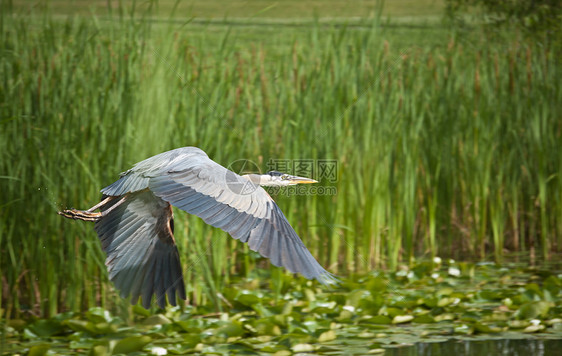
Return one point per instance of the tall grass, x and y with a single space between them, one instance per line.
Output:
450 150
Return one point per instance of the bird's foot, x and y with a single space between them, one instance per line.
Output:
80 215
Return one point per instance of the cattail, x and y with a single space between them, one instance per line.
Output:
451 44
497 71
240 68
386 48
546 54
529 72
295 67
263 80
433 68
511 73
477 76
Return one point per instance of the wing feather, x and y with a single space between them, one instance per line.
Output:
188 179
234 204
142 258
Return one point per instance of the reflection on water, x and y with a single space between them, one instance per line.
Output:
511 347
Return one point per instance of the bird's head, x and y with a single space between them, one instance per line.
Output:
278 179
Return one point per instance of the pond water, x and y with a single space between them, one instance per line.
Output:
511 347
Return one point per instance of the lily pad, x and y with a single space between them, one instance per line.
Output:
400 319
379 319
39 350
303 348
47 327
327 336
131 344
533 310
533 328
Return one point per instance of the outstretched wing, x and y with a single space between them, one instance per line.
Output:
234 204
188 179
142 257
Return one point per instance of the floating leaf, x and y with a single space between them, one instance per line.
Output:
327 336
311 325
105 328
444 291
82 343
229 329
391 312
430 302
534 288
444 317
79 325
533 328
379 319
287 308
99 350
157 319
191 340
464 329
131 344
377 284
443 302
322 307
17 324
553 284
355 296
483 328
309 294
533 310
247 298
399 319
554 321
517 324
345 315
303 348
423 319
490 294
46 328
283 353
39 350
98 315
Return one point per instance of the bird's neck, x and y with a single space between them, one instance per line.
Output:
265 180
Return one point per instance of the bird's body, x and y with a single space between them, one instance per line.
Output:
135 222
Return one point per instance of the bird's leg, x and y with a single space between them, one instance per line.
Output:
100 204
107 211
89 215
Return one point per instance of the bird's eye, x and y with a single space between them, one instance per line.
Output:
285 177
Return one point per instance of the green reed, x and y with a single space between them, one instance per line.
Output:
444 150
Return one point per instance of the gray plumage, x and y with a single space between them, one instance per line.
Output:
136 231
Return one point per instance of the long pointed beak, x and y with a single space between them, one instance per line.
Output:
301 180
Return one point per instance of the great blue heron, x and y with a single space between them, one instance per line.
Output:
136 226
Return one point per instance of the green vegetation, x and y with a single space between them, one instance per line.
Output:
431 303
446 146
288 10
534 17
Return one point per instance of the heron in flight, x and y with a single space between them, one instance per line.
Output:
135 223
